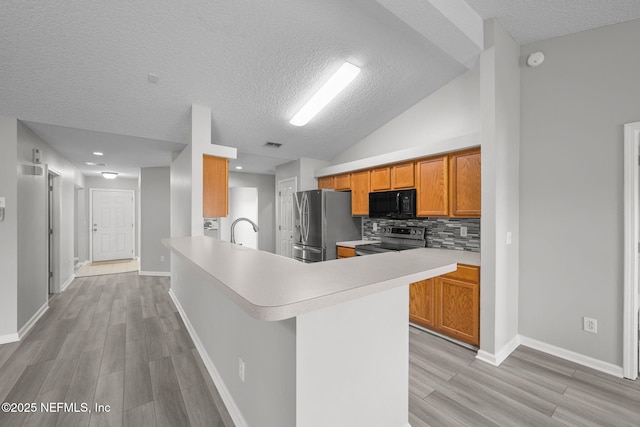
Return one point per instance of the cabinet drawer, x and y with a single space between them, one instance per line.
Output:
468 273
345 252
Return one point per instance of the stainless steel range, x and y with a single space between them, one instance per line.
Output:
395 239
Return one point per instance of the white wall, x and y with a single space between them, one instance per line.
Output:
98 182
451 111
9 230
267 397
574 107
500 137
266 205
307 180
181 194
155 214
32 223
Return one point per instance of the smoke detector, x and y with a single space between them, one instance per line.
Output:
535 59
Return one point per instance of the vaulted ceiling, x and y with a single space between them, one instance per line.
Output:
78 72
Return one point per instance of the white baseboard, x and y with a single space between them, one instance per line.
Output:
500 356
233 409
67 283
581 359
6 339
155 273
27 326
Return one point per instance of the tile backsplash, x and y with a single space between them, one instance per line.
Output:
441 232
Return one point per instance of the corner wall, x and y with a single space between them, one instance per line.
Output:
500 136
574 107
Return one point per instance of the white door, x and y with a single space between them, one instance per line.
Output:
112 224
286 189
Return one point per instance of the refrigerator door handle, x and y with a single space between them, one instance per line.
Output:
307 248
305 218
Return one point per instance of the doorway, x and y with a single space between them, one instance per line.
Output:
112 225
284 213
630 362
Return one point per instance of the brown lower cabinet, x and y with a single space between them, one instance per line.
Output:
449 304
345 252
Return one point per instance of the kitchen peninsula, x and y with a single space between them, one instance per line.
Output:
290 343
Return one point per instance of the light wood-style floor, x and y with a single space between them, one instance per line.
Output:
114 340
449 387
118 340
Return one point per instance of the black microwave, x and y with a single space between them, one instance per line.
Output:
398 204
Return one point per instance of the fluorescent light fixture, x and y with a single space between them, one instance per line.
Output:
345 75
239 167
97 153
110 175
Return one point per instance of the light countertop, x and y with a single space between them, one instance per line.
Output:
354 243
272 287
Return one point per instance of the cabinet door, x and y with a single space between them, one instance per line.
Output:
345 252
381 179
360 193
215 186
325 182
342 182
402 176
458 310
422 303
432 186
465 183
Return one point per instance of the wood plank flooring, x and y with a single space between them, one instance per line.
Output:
118 340
113 340
449 387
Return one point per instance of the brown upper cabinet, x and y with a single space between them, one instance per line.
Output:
215 186
464 175
381 179
342 182
447 185
432 176
360 193
325 182
402 176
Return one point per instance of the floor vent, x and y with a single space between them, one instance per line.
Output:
273 144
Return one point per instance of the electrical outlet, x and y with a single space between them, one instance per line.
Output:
590 325
241 369
375 226
508 237
161 258
463 231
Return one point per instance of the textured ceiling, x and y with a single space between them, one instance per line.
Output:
76 71
533 20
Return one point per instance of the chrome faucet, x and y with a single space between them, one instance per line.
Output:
233 227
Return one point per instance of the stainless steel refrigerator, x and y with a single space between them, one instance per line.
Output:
322 218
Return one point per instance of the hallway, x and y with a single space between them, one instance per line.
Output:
110 340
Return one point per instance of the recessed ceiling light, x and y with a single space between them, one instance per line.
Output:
110 175
238 167
98 153
345 75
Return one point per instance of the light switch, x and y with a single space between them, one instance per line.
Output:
3 202
508 237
